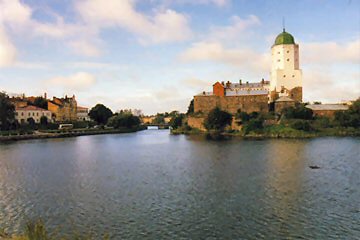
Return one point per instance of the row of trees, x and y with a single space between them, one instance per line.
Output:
102 115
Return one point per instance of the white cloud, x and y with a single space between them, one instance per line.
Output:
7 49
85 48
234 31
164 26
215 51
78 81
331 52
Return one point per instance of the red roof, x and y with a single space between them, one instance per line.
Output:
30 108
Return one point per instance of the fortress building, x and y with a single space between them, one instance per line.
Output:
286 75
283 89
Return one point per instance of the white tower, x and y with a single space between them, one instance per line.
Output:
285 71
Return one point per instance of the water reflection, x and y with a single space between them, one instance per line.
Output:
154 185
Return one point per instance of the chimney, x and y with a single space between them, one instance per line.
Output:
45 95
263 81
240 82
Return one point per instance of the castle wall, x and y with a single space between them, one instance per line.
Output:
231 104
196 122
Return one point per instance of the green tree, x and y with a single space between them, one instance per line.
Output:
191 107
43 121
100 114
351 117
301 125
41 102
176 121
217 119
31 122
7 112
298 112
126 120
159 119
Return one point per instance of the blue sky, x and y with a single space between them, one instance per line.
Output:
155 55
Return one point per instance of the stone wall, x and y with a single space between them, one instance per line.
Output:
279 106
296 94
196 122
231 104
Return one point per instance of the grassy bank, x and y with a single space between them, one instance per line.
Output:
16 136
279 131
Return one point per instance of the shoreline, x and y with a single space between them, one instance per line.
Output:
68 134
252 135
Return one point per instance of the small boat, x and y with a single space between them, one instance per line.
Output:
314 167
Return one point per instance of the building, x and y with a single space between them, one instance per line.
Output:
327 110
82 114
285 84
286 75
22 114
63 109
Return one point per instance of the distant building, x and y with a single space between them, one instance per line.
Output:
82 114
22 114
327 110
63 109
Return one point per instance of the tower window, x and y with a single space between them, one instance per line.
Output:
284 76
287 51
278 60
278 52
287 59
293 75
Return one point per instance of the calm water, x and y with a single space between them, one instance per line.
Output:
151 185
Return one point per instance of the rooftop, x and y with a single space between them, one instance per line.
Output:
284 38
328 107
30 108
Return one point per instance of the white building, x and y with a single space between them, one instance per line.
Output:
82 114
285 71
22 114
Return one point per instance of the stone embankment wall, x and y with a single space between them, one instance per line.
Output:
231 104
196 122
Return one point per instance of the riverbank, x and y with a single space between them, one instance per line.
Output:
275 132
67 134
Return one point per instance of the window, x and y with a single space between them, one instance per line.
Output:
288 60
278 60
287 51
278 52
293 75
22 114
284 76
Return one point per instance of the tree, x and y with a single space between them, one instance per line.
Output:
190 108
176 121
41 102
43 121
298 112
159 119
217 119
351 117
7 112
31 122
100 114
124 120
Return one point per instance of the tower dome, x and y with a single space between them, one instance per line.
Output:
284 38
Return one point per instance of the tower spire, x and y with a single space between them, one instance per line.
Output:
283 23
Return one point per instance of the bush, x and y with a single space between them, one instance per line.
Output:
351 117
217 119
298 112
301 125
254 125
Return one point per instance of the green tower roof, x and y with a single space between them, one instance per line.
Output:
284 38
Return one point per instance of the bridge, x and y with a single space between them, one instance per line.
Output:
158 126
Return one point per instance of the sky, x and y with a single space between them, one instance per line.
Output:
154 55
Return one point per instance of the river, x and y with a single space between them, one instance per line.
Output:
153 185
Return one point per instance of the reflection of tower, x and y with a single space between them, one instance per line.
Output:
286 76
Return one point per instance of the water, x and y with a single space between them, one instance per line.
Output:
152 185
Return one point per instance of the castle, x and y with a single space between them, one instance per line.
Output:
284 88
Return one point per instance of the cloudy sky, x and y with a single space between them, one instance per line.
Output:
155 55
